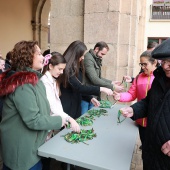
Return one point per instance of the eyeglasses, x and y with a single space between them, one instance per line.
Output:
143 64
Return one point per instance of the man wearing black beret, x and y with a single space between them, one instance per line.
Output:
156 106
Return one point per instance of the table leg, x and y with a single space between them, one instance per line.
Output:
68 166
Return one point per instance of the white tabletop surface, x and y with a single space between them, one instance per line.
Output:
112 149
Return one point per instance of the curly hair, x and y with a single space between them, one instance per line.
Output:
22 55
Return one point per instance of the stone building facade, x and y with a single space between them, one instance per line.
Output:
119 23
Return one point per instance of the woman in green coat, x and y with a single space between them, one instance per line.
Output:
26 118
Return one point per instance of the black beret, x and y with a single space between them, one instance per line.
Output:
162 51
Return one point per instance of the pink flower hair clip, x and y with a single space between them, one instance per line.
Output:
46 59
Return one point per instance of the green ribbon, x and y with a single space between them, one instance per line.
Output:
83 121
84 135
120 118
95 112
88 119
105 103
124 83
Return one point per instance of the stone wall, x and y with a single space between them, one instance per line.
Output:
119 23
67 23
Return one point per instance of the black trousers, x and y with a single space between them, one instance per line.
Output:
46 163
142 132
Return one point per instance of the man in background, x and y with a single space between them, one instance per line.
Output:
152 45
93 65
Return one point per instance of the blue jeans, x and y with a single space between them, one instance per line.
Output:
85 106
37 166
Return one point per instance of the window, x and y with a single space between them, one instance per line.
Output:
160 9
158 40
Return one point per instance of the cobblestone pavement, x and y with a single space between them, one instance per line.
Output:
136 163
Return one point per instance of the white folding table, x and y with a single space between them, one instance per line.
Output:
112 149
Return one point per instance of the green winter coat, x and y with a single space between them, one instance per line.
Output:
92 66
25 123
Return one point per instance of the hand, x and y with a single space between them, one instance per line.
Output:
74 125
109 92
127 111
166 148
128 79
118 88
95 102
116 95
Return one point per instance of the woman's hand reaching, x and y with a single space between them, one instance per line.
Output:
74 125
108 91
128 79
116 96
95 102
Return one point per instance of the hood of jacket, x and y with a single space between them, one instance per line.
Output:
11 79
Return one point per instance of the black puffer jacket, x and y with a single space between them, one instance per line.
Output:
156 106
72 95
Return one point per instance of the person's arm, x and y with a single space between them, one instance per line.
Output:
140 108
88 90
32 115
131 94
137 110
55 103
56 106
106 80
128 96
87 98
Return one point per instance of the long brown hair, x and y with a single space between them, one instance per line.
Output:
72 56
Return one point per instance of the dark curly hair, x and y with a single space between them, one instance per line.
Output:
22 55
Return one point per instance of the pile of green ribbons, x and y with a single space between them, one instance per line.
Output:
84 121
88 119
105 103
83 136
94 112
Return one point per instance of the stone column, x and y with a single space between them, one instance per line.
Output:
44 37
35 28
117 23
67 20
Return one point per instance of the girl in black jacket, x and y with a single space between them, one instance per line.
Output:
72 88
